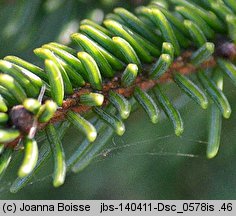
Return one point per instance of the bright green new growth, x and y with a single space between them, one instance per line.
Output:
3 118
91 99
92 71
127 50
93 49
32 105
24 64
61 77
13 87
119 30
8 135
3 105
46 111
167 48
129 75
22 77
56 81
30 157
115 59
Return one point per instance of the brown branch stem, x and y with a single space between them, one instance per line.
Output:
180 65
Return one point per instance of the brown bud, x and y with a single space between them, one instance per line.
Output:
227 50
21 118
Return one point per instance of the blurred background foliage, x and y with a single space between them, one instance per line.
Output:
148 162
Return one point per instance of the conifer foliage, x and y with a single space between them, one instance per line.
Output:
117 65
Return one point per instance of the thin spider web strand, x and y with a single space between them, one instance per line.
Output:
180 102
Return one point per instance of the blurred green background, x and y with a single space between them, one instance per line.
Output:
148 162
